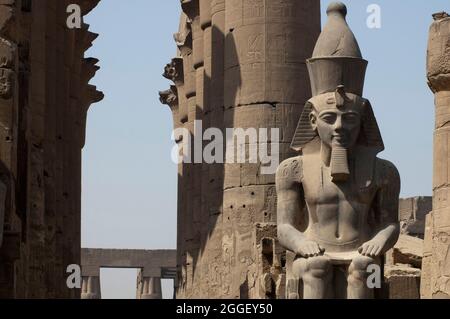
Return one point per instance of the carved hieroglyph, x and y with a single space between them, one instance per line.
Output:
436 261
337 202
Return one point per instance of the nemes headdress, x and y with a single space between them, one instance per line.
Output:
337 72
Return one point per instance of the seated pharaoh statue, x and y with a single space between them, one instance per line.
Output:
337 202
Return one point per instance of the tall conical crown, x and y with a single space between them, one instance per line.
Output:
337 58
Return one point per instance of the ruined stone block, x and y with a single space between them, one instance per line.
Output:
403 282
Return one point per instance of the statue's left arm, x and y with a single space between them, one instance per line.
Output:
385 209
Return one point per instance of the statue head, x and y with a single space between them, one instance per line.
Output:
337 115
336 118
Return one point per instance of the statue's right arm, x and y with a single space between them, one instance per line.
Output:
290 208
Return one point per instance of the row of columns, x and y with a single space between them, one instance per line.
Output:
147 287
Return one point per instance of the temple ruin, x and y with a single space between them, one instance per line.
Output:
44 100
242 64
239 64
153 266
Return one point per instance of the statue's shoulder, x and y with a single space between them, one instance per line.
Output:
386 172
290 172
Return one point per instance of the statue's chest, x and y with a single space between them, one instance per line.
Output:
319 189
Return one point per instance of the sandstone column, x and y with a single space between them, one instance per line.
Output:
90 288
190 193
436 262
151 288
265 86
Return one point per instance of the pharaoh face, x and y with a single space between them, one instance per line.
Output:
337 126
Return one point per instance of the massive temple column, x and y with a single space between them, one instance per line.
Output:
244 67
45 97
266 86
436 259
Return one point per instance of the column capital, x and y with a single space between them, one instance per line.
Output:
438 55
170 97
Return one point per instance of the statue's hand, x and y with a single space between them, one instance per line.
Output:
372 248
309 248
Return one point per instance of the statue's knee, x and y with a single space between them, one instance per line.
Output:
299 267
318 267
358 269
361 263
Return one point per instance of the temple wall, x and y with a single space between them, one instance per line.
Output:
43 118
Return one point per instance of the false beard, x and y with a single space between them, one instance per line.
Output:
339 164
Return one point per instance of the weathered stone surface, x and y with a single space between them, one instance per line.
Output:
270 260
44 98
436 267
427 261
412 213
408 250
263 62
403 282
91 288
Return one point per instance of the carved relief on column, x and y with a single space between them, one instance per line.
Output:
265 86
266 45
90 288
8 101
10 241
436 263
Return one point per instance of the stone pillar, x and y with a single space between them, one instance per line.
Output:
9 101
436 263
265 87
151 288
90 288
192 55
214 172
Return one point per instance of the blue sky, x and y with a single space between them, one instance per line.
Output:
129 180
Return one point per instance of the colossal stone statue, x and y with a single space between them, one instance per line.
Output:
337 202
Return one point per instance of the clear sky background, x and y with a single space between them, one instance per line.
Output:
129 181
